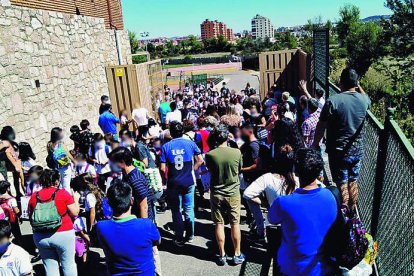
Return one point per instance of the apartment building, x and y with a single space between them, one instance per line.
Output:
213 29
262 27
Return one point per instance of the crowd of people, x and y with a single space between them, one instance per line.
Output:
260 155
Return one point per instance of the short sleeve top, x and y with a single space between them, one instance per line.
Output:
62 200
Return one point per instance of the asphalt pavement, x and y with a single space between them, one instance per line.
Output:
197 258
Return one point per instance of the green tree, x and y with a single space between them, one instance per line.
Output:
133 41
399 62
363 44
289 41
349 16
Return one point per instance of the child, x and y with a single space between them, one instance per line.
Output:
123 117
93 202
116 173
10 209
75 137
14 259
27 157
32 184
82 166
99 157
82 240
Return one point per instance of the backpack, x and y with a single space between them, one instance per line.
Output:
347 238
106 209
265 155
45 216
49 161
60 157
6 212
139 165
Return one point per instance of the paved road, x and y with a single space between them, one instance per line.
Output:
238 80
192 259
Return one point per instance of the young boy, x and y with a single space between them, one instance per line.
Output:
14 260
10 209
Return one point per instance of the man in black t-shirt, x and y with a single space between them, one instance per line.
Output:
224 91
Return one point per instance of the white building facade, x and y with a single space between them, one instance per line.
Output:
262 27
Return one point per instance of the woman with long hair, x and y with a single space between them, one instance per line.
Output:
286 132
93 201
12 160
57 246
280 181
60 158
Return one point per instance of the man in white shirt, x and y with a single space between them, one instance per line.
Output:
174 115
140 116
14 260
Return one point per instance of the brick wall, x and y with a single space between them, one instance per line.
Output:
95 8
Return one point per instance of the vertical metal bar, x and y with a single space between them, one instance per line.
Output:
327 61
380 172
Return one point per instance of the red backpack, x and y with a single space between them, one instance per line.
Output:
6 212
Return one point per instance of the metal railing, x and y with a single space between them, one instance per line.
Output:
386 198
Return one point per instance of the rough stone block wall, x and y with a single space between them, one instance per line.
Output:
67 54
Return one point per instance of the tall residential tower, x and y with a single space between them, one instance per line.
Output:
262 27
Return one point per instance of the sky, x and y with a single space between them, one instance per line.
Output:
170 18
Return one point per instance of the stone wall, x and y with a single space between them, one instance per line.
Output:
67 55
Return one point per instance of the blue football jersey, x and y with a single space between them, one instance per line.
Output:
179 154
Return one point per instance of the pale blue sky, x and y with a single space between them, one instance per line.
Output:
183 17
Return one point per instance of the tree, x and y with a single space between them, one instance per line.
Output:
133 41
288 41
399 30
399 66
363 45
349 16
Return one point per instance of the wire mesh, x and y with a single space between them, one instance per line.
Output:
371 134
396 214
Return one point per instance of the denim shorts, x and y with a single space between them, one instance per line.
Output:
345 169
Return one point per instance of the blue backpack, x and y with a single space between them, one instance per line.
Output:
106 209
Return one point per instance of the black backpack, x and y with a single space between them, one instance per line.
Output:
265 155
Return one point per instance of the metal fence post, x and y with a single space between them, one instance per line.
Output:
380 171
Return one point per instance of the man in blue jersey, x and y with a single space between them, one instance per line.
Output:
179 155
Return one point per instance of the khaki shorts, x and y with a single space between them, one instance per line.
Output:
225 207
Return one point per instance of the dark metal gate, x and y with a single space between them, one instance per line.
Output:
321 60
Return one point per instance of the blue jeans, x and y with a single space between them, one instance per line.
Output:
258 217
57 248
344 169
65 178
182 198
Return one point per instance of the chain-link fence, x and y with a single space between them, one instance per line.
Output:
395 229
386 201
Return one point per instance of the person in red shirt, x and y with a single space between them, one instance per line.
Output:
56 247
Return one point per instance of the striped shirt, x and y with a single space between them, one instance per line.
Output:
140 188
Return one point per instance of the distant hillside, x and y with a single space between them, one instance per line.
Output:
375 18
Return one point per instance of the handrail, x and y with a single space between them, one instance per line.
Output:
406 145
